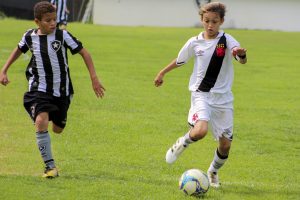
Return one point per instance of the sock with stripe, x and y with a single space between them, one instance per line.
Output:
44 144
187 138
217 162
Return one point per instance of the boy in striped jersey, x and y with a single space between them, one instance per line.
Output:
50 87
210 86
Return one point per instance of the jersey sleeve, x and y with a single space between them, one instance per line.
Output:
185 53
231 42
72 42
23 44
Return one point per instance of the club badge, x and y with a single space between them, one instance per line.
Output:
55 45
220 50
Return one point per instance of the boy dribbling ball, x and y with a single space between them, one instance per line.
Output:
210 86
50 88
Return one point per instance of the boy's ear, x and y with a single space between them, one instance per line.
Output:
37 21
222 20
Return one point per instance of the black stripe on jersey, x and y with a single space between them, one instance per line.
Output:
46 63
62 66
214 66
32 65
70 83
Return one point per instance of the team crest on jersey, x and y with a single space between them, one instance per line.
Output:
195 117
55 45
220 50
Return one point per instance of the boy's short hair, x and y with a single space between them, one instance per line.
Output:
41 8
213 7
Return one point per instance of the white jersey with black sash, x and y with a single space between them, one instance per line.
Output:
48 69
213 68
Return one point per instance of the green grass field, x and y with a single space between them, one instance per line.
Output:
115 148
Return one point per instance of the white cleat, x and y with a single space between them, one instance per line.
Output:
213 179
174 152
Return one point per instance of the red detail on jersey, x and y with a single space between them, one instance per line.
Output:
195 117
220 51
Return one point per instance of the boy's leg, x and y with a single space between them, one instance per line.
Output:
220 157
194 134
44 144
222 128
198 118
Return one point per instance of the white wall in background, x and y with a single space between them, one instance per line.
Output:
241 14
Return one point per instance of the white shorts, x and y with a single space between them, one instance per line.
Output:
217 109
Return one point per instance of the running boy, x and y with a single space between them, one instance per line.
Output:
210 86
50 87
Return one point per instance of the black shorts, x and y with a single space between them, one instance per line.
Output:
57 107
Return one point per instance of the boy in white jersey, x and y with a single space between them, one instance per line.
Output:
50 87
210 86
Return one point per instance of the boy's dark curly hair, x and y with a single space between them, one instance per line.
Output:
41 8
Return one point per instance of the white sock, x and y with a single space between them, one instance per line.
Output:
217 162
187 138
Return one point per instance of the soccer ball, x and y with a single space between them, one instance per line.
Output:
194 182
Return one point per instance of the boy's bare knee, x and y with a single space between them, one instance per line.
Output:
199 132
41 122
57 129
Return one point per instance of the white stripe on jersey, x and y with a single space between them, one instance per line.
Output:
39 62
55 65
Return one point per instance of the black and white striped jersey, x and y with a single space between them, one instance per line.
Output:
48 69
61 7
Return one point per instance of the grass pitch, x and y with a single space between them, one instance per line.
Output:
115 148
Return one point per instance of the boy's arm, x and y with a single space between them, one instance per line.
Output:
15 54
158 81
97 86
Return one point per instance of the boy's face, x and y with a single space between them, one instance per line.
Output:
211 22
47 24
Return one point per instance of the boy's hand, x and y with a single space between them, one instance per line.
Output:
98 87
237 51
3 79
158 81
